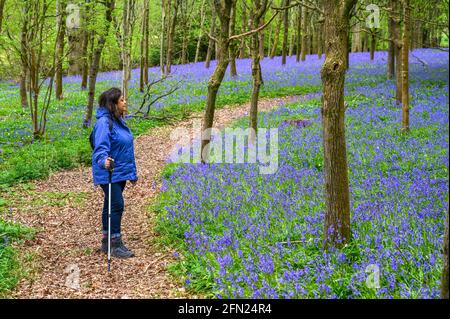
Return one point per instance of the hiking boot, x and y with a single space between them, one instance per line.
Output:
118 249
105 245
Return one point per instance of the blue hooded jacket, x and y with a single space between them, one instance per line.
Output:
118 145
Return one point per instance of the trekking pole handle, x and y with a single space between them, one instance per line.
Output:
111 164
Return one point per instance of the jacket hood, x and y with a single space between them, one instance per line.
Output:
102 111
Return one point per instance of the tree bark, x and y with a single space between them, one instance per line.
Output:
276 37
405 65
128 8
2 6
233 46
95 62
261 41
365 42
61 29
88 61
293 35
211 42
185 31
87 38
314 38
391 48
142 49
299 33
74 37
223 9
146 40
305 20
396 33
319 41
256 16
163 36
173 23
337 211
347 51
373 44
286 32
23 56
356 38
244 29
202 22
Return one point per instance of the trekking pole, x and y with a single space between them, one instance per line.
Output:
111 169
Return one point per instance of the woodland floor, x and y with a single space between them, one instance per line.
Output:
69 233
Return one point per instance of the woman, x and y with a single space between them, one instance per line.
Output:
115 145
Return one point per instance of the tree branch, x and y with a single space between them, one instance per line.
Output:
238 36
305 4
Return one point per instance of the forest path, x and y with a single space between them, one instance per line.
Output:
67 245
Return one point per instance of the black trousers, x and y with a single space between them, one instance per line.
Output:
117 207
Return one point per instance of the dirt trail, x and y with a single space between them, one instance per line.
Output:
70 235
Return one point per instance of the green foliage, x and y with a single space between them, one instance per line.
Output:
10 267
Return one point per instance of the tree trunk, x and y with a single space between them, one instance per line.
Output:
365 42
142 49
305 20
2 6
35 14
356 38
319 41
261 41
185 31
276 37
95 62
163 36
88 61
128 7
396 32
244 29
257 14
337 208
299 33
202 22
173 23
233 46
418 33
310 37
74 37
146 43
391 48
444 277
61 29
286 32
223 9
23 57
405 66
87 38
372 44
347 51
314 40
211 42
293 34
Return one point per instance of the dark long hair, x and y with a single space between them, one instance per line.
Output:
109 100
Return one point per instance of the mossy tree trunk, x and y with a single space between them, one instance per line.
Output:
337 197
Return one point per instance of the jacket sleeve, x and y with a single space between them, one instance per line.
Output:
134 164
102 140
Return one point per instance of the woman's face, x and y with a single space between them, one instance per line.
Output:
122 105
